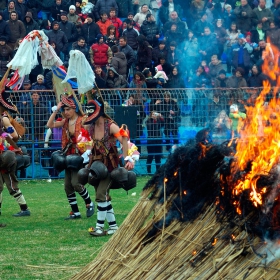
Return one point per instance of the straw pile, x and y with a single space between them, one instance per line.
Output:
202 249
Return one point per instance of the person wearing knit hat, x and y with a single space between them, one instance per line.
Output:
63 13
72 7
72 16
221 80
160 75
98 48
40 84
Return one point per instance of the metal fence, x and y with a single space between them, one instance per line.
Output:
164 119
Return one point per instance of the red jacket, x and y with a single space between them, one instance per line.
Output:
117 23
103 26
99 54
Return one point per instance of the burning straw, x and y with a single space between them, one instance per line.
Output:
216 210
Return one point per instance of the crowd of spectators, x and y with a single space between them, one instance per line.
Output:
147 44
192 42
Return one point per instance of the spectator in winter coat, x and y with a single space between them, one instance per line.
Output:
115 21
159 51
215 66
17 29
181 25
275 8
244 15
138 81
131 35
141 16
59 38
115 81
69 29
125 6
221 80
166 8
173 35
21 8
137 4
119 62
40 84
45 7
128 52
81 46
174 56
257 77
29 23
191 50
221 36
150 30
56 9
196 11
135 25
105 6
263 14
72 16
11 8
151 82
100 53
175 80
5 55
154 148
166 67
199 26
273 33
90 30
144 53
4 28
111 39
229 16
208 45
237 80
104 23
100 77
240 56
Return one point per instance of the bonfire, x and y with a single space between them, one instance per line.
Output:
211 212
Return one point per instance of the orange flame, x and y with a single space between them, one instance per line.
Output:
184 192
175 173
165 180
259 141
194 253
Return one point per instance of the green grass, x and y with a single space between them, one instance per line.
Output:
44 245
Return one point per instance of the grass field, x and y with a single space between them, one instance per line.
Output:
44 245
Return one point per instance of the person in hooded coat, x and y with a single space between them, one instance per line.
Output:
119 62
115 81
29 23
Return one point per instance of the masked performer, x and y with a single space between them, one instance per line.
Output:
104 132
71 127
8 162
